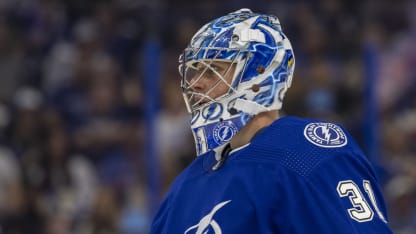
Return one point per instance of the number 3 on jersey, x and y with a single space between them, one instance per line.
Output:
361 211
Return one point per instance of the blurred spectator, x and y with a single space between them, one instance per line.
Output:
173 131
104 215
401 191
10 176
134 217
11 59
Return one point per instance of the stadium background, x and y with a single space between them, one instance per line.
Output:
92 123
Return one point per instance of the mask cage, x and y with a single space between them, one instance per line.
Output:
222 64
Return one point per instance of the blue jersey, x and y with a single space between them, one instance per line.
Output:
295 176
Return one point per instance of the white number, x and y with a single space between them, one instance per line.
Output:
361 212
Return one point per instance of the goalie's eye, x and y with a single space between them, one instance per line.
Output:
215 67
220 68
207 71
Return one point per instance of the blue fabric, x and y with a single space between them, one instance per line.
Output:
280 183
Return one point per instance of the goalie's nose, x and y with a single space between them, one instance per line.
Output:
198 84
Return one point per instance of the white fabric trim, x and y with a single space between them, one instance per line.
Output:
240 148
249 107
247 35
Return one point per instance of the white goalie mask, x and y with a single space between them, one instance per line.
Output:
235 67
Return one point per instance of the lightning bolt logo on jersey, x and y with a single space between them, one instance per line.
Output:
208 223
327 135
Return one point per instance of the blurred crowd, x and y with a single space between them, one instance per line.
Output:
73 132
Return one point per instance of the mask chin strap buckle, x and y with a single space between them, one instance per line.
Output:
249 107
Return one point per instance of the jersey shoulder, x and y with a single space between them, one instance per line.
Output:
301 144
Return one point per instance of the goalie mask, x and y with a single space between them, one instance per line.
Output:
235 67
